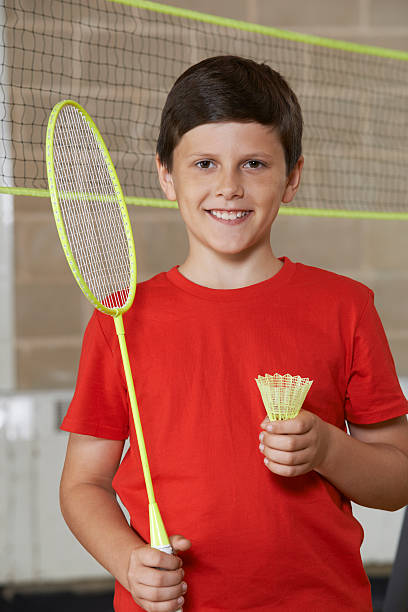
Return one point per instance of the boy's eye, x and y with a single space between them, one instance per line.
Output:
253 163
204 164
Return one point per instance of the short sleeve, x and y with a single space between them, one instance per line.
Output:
373 393
99 407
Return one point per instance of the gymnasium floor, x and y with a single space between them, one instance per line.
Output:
66 602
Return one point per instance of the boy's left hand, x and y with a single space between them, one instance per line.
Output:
295 446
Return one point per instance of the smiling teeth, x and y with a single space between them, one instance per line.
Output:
229 215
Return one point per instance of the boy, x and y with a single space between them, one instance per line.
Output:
268 528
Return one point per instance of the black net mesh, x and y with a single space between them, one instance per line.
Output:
120 61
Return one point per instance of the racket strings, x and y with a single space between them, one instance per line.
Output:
94 162
90 209
91 192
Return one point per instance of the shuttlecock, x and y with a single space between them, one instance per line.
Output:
283 396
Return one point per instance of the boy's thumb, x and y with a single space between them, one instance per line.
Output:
179 543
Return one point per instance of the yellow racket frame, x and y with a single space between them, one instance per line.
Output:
58 214
158 535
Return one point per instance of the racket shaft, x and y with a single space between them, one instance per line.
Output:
158 534
135 410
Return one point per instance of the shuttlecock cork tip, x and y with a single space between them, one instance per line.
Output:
283 395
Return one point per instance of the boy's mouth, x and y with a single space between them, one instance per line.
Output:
231 217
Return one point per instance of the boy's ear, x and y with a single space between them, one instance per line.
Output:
166 180
293 181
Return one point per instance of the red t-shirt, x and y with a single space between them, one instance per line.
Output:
260 541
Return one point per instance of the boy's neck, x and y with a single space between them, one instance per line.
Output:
229 272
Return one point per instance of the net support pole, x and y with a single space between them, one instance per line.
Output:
7 318
7 341
158 535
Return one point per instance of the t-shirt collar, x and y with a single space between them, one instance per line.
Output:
249 292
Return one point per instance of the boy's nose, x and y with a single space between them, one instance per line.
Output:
229 187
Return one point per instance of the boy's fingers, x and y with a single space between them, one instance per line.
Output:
284 458
152 557
300 424
157 594
280 427
156 578
167 606
160 578
289 443
179 542
287 470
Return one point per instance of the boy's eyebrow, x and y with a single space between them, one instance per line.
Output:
246 155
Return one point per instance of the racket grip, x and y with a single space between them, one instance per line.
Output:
168 550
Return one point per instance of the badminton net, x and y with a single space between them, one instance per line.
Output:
119 59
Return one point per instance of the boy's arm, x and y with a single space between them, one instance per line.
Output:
90 508
370 466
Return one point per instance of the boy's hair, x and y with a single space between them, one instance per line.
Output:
230 88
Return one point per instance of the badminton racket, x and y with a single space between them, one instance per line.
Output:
95 232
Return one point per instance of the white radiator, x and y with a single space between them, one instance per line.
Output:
35 544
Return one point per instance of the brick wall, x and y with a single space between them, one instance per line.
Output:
51 312
369 22
374 252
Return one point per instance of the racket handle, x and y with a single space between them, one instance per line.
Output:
168 550
158 535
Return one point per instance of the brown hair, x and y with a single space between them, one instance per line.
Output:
230 88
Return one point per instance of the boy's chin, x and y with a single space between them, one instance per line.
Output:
232 251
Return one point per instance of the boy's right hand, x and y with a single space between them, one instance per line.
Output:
156 578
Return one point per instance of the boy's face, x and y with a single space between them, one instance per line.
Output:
229 180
